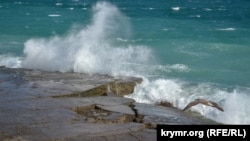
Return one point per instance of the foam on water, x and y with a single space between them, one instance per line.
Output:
195 16
10 61
227 29
59 4
176 8
156 91
150 8
54 15
207 9
236 108
172 68
165 29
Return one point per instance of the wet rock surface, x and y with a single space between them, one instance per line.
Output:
44 106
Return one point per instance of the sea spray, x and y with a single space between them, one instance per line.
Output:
10 61
236 108
156 91
180 93
91 49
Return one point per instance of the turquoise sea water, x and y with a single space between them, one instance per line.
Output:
183 49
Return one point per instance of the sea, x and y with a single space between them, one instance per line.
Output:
183 49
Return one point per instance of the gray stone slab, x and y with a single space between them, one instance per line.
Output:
69 131
118 108
41 106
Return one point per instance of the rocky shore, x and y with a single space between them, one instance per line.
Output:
55 106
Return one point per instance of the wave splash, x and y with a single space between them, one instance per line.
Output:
91 49
10 61
179 93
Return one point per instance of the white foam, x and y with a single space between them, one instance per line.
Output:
59 4
181 93
150 8
54 15
10 61
172 68
176 8
195 16
165 29
207 9
156 91
227 29
236 109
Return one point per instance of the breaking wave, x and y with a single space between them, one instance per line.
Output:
92 49
180 93
10 61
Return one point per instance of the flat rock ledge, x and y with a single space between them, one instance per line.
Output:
55 106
